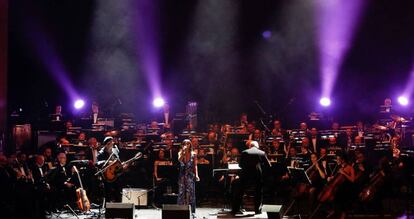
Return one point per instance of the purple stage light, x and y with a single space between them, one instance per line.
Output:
79 104
403 101
267 34
325 101
158 102
336 22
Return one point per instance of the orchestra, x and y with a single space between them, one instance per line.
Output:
343 165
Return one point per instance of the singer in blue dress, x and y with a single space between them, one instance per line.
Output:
188 175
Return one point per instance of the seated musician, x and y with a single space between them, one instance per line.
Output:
343 195
333 147
21 168
62 182
93 144
304 128
292 157
360 129
304 150
196 144
317 175
161 160
358 141
233 157
6 187
49 160
171 151
81 141
314 143
276 149
277 129
362 171
256 135
243 120
154 125
304 154
202 157
41 186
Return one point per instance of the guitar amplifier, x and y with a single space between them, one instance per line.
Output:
136 196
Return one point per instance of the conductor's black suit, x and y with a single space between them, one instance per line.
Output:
252 162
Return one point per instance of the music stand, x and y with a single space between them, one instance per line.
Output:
299 175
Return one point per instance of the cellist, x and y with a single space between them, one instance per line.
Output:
343 196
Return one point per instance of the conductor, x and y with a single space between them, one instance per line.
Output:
252 162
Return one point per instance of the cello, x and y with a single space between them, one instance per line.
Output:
81 198
329 191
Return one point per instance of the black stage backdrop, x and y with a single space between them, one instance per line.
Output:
209 51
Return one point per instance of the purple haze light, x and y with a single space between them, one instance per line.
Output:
267 34
148 47
336 21
49 57
403 100
158 102
325 101
79 104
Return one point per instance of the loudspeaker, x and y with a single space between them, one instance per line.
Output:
273 211
134 195
176 211
119 210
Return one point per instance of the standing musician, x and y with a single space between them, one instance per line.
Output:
110 153
252 161
188 175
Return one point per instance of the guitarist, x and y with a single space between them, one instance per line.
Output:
110 151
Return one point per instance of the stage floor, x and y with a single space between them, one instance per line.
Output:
201 213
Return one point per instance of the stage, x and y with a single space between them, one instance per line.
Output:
207 213
201 213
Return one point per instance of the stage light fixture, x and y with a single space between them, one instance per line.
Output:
79 104
325 101
158 102
403 101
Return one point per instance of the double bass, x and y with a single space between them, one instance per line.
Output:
81 198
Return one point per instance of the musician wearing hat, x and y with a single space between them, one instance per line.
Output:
108 154
109 151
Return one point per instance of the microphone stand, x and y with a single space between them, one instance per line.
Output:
264 114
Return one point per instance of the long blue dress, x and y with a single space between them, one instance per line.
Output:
186 183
